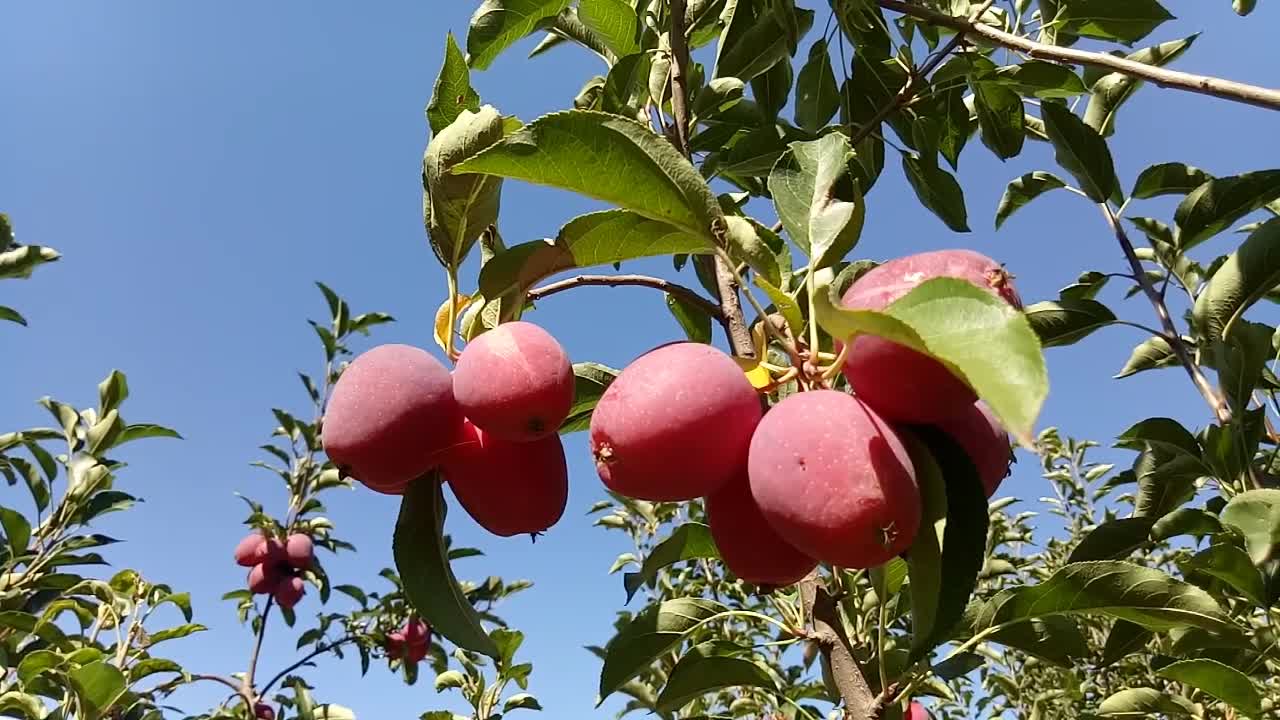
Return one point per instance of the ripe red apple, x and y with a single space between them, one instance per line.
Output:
263 578
515 382
263 711
834 480
747 544
675 424
416 632
902 384
299 551
391 415
416 653
289 591
979 433
251 550
916 711
395 644
509 488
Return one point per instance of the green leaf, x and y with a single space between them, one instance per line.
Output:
760 47
1114 588
703 670
772 88
614 22
452 92
1241 360
499 24
1173 178
1081 151
98 685
19 262
690 541
1056 639
1221 681
589 382
937 190
152 666
1166 480
17 531
329 711
1219 203
36 662
29 706
1125 638
817 199
1024 190
749 241
1256 516
1186 521
599 238
10 315
1113 540
145 430
1037 78
1231 565
627 86
1067 322
1164 434
608 158
1000 118
981 338
1246 277
1127 22
693 319
784 303
649 635
1152 353
1112 90
421 559
948 553
520 701
1243 7
1143 703
457 208
176 633
817 94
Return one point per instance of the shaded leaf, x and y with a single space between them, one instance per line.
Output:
700 671
452 92
688 542
1142 703
1038 78
817 199
1081 151
1125 638
499 24
1248 274
1127 22
1221 681
1172 178
1149 355
648 635
457 208
1000 118
938 191
1219 203
1112 90
1066 322
1024 190
1113 540
817 94
1231 565
98 685
1256 516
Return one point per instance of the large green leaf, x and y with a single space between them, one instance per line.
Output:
608 158
760 46
772 88
1113 540
599 238
422 561
817 198
614 22
1000 118
28 706
1127 21
1150 354
1038 78
1110 91
1081 151
1065 322
589 382
706 668
1125 638
1024 190
1143 703
937 190
97 685
980 337
627 86
1172 178
17 531
648 635
688 542
1248 274
452 92
817 94
499 24
1114 588
457 208
1219 203
1221 681
1256 516
1231 565
948 553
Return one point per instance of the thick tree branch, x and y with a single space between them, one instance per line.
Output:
670 288
1202 84
735 323
1171 335
834 645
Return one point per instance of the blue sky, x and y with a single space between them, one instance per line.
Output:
201 164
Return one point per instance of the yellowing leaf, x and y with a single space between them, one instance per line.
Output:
758 376
442 328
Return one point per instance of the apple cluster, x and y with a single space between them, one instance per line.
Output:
275 567
411 642
490 427
822 476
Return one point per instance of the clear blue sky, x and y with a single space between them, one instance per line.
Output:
201 164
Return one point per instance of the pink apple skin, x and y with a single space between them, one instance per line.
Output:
978 431
509 488
747 544
515 382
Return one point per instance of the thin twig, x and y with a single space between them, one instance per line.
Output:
735 323
219 679
314 654
257 644
680 291
1205 85
1171 335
